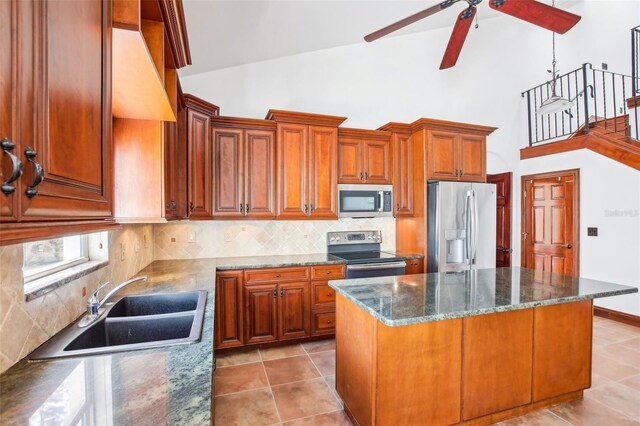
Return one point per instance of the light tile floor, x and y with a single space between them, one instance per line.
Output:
295 385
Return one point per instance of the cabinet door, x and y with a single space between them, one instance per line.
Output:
67 83
323 185
441 156
199 202
377 162
260 169
403 173
260 314
414 266
292 171
350 161
228 173
228 325
10 151
294 311
472 158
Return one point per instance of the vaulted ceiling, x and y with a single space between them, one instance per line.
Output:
226 33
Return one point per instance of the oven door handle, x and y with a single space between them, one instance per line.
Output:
370 266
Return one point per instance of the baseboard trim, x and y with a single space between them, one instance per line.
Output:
616 316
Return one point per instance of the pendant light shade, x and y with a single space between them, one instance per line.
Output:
554 104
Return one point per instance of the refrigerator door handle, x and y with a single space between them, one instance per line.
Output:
468 226
475 228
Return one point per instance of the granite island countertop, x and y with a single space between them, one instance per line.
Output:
414 299
167 385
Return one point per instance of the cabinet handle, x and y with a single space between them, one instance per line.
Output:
281 293
275 293
329 294
328 272
306 209
7 147
246 208
361 176
398 207
310 208
191 206
278 275
241 208
328 321
172 205
31 190
366 175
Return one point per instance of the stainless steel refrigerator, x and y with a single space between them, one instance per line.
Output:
461 226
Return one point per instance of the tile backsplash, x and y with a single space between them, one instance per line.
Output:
26 325
255 238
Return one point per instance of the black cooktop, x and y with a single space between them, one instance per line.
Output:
367 257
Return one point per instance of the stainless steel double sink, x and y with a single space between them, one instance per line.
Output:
133 322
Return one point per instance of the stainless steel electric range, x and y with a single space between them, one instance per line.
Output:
361 251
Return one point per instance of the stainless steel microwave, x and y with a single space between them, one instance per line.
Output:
362 200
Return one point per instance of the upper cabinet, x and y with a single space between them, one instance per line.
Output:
454 151
403 173
149 155
55 116
364 156
194 126
307 156
243 153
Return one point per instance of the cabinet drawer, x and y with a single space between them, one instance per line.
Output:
323 294
252 276
327 272
324 323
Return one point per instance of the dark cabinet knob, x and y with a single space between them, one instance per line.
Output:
31 190
328 272
329 294
16 172
328 321
278 275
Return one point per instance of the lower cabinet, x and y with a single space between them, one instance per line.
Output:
260 312
229 316
258 306
293 311
414 266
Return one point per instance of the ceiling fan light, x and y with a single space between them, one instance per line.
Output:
554 104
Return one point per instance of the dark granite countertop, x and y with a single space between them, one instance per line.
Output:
413 299
170 385
278 261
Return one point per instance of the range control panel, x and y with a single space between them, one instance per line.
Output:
358 237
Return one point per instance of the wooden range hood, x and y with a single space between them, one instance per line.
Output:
138 86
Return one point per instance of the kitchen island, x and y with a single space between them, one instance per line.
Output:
471 347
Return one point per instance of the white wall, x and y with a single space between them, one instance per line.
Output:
397 79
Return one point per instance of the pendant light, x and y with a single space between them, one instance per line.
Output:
554 103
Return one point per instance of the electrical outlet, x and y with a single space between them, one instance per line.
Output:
123 251
228 236
191 237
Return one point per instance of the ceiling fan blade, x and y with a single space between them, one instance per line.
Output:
537 13
458 36
409 20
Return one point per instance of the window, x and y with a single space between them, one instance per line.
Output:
43 258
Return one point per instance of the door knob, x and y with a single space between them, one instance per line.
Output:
567 246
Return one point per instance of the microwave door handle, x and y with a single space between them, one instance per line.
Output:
380 200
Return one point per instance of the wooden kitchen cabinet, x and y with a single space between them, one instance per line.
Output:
456 156
195 124
243 152
307 155
43 44
293 311
364 156
403 165
229 309
260 313
266 305
414 266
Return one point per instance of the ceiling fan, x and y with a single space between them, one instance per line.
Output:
532 11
